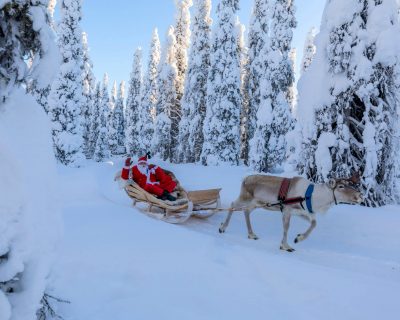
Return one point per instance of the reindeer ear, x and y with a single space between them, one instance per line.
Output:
332 183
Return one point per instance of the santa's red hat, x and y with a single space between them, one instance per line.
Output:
143 159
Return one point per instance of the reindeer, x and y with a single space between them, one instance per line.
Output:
261 191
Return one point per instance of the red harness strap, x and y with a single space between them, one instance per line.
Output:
294 200
283 191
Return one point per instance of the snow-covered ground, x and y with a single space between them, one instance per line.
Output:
116 263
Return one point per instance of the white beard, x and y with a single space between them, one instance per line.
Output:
143 170
146 172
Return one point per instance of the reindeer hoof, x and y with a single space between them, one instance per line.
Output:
298 238
220 230
252 237
287 249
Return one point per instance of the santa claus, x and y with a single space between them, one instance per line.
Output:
151 178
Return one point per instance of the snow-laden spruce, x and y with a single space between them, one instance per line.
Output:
224 103
149 96
309 50
94 121
133 100
268 146
89 86
243 54
191 136
349 99
120 108
117 125
39 82
66 97
111 130
182 36
163 144
292 88
29 220
102 150
258 39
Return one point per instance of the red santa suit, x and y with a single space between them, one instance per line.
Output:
151 178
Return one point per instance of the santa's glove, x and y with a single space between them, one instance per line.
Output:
128 162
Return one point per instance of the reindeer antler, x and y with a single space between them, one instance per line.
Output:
355 178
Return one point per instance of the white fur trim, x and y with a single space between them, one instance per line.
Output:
148 172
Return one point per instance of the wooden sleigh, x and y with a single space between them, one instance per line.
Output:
199 204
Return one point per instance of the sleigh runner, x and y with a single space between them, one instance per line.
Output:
199 204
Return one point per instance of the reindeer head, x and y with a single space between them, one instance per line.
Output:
346 190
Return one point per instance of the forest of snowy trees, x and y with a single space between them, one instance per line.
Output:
211 94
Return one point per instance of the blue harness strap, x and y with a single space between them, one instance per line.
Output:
308 197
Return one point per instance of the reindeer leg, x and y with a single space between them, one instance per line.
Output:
225 224
303 236
286 223
251 234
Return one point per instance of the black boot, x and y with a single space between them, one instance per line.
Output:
163 196
168 196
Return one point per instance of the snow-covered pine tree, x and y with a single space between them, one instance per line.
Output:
309 50
94 121
149 96
258 40
133 106
274 118
111 130
89 84
243 54
66 97
28 223
182 36
350 88
292 88
39 85
224 103
163 143
118 121
15 44
191 136
102 149
293 136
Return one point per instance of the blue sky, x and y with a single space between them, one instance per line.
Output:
115 28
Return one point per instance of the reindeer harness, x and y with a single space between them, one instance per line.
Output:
283 200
